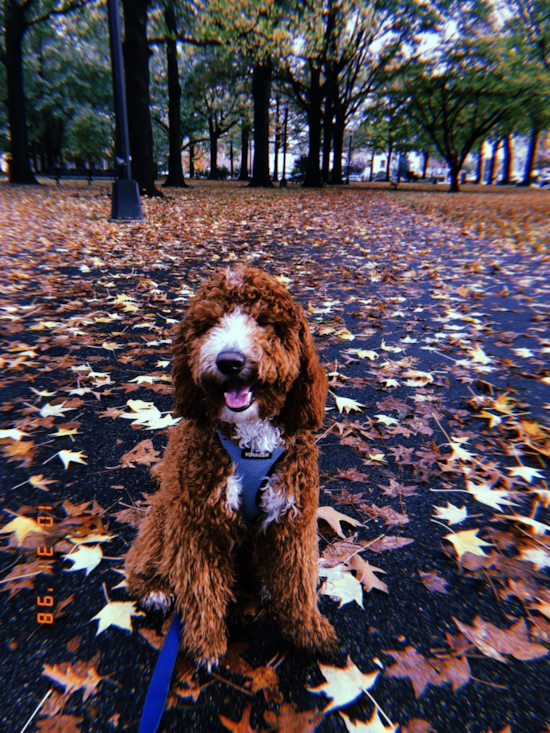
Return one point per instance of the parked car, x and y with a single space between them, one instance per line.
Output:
380 177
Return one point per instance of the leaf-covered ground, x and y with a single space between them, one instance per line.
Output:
434 526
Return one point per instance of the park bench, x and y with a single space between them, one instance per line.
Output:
86 174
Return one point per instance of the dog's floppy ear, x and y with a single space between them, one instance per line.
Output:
187 396
304 408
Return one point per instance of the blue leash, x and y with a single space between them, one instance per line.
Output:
160 681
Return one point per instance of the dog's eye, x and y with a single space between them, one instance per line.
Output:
268 322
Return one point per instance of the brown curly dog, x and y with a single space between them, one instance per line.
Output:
250 388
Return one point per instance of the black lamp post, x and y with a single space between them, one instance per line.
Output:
125 201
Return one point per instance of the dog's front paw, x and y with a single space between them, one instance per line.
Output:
317 635
208 663
156 600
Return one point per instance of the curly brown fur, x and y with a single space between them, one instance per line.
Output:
187 542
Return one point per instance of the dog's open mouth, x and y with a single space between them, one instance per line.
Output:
238 395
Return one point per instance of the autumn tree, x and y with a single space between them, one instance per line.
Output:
216 89
255 31
528 33
459 96
17 17
69 93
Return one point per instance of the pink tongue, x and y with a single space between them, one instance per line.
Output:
237 398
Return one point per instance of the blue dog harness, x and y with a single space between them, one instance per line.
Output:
252 468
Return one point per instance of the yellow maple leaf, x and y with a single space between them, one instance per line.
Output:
343 685
387 420
467 541
478 355
347 404
67 456
374 725
21 527
116 613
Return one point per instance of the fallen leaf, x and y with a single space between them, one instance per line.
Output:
335 518
374 725
116 613
343 685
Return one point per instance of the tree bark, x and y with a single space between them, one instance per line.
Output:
480 161
337 152
531 156
425 166
14 31
313 171
454 171
245 132
136 67
493 163
175 170
191 159
388 164
213 175
328 125
507 162
261 93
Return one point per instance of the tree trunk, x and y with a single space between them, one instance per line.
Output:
454 171
136 68
313 171
213 176
507 162
479 169
531 157
191 159
14 31
328 125
493 163
337 151
245 131
261 92
175 171
388 164
425 166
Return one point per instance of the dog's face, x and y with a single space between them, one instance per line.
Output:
245 352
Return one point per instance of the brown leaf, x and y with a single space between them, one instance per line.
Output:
455 670
334 519
352 474
289 720
389 515
410 664
81 676
143 453
417 725
388 542
434 582
495 642
60 724
366 574
243 726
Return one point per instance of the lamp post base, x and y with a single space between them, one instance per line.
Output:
125 200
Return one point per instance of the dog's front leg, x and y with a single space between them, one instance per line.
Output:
201 577
288 559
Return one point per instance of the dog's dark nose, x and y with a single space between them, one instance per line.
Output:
230 362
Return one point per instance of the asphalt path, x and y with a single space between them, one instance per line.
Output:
450 323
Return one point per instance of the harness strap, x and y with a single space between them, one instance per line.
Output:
160 680
252 467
